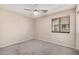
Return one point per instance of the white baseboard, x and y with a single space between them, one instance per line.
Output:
58 43
13 43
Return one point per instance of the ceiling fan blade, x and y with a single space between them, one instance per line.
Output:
44 11
28 9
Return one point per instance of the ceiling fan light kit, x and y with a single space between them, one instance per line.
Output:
35 12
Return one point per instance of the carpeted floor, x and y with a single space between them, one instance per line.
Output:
37 47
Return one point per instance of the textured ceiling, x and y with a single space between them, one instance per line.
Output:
52 8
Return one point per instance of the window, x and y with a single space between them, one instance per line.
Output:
61 24
55 25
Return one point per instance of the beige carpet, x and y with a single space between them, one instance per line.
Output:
37 47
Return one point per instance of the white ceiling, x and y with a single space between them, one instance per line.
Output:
52 8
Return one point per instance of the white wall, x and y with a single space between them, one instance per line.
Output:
77 28
14 28
43 29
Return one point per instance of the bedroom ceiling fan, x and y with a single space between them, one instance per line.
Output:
35 10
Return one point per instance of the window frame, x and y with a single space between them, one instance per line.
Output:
60 25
